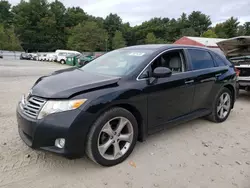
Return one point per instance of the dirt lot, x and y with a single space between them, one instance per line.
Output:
198 154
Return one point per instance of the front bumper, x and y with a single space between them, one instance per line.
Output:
41 134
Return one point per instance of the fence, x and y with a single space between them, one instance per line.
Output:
10 54
16 54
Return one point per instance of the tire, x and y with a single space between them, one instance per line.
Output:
62 61
95 133
214 116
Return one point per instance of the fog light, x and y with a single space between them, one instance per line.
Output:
60 142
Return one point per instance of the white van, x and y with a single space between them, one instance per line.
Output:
62 54
51 57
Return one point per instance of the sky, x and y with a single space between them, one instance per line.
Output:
137 11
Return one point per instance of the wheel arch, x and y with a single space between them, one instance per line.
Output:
231 88
139 119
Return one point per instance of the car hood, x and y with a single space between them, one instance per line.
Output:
67 82
235 47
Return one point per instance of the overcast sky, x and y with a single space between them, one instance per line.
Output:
137 11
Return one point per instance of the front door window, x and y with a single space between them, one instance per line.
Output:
174 60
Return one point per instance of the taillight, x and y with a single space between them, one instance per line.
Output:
237 71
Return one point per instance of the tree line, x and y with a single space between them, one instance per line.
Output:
37 25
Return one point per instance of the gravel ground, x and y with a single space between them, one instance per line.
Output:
198 154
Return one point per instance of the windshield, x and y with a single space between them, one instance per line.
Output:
118 62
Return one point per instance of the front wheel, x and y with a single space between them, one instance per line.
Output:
62 61
222 106
112 137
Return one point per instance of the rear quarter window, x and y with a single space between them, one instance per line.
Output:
221 61
201 59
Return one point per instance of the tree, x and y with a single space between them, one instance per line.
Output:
209 34
158 26
87 37
118 40
74 16
241 30
219 30
183 21
13 41
98 20
183 27
188 32
43 26
57 31
199 22
112 23
128 34
172 32
247 28
3 38
6 16
33 23
230 27
151 39
8 39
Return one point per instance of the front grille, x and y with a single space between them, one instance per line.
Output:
32 106
244 71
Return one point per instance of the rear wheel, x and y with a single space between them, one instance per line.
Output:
222 106
112 137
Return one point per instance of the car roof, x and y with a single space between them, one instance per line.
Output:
156 47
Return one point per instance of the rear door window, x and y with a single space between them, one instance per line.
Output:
201 59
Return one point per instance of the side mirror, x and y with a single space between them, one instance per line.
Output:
161 72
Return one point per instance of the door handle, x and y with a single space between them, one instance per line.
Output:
217 75
189 81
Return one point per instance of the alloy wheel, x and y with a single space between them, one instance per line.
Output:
115 138
224 105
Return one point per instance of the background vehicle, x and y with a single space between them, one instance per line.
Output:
83 60
25 56
47 57
33 56
39 57
62 55
43 57
238 51
104 107
53 57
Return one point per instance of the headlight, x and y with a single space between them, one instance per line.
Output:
54 106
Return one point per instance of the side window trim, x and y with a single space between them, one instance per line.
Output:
184 66
165 51
212 58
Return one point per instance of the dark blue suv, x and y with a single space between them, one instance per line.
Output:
104 107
